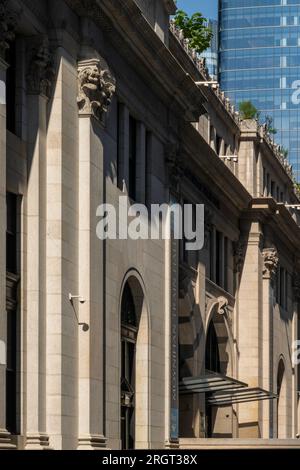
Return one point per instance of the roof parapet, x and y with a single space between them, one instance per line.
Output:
276 149
200 64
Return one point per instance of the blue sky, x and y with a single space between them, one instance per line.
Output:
207 7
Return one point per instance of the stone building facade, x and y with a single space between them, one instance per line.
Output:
107 344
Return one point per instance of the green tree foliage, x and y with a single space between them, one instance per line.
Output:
194 29
248 110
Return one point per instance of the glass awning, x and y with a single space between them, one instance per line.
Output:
209 383
223 390
245 395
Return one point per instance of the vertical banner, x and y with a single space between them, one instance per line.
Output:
174 415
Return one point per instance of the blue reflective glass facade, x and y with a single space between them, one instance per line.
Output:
211 54
259 60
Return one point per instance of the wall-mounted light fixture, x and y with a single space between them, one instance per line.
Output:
79 297
230 158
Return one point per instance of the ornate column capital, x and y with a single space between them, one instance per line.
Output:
40 70
8 22
96 86
271 260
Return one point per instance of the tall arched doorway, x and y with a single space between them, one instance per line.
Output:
134 366
212 354
218 423
212 363
129 329
281 402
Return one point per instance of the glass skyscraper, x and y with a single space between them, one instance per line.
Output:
211 54
259 60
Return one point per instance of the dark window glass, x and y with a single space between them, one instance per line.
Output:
219 142
132 158
11 233
218 258
226 263
10 58
212 356
11 373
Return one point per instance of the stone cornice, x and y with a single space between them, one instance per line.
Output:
251 130
210 165
129 32
196 66
279 220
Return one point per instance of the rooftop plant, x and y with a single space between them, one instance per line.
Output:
248 110
194 29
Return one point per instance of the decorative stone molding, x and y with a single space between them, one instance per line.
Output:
5 440
96 86
8 22
239 255
91 442
223 304
38 441
40 70
271 260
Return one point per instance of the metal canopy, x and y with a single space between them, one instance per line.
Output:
240 396
209 383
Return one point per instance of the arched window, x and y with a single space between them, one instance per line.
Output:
281 402
212 355
128 339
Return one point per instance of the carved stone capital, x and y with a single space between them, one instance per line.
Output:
8 22
96 86
40 70
271 260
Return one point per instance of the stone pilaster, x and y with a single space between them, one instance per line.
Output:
95 79
248 329
38 89
171 340
296 331
62 252
4 435
270 264
8 22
